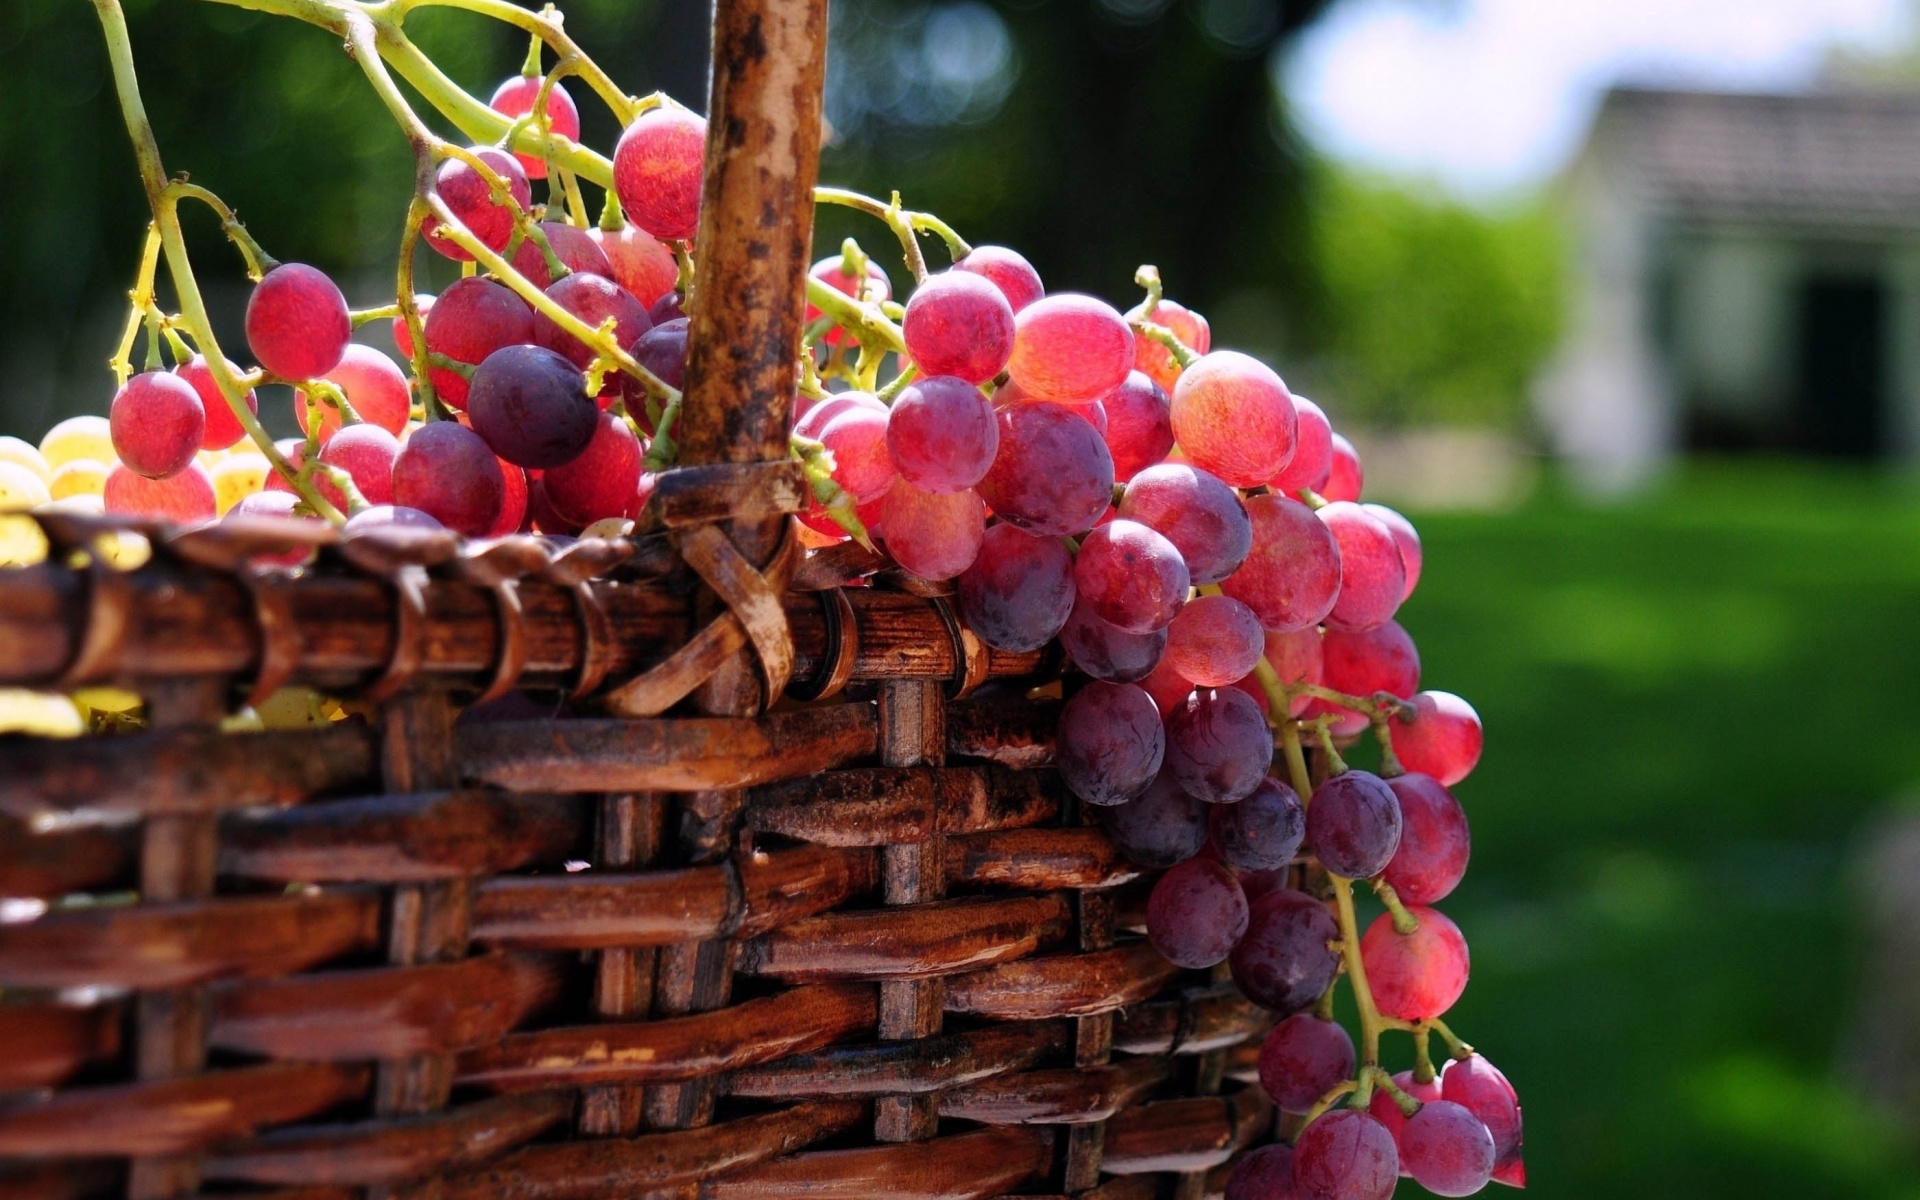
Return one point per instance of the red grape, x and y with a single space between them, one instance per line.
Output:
513 505
470 320
810 420
1052 474
1233 417
1479 1086
1264 1173
832 271
185 497
297 324
1405 536
1388 1113
1160 827
657 168
1291 576
1200 515
1372 577
1139 425
1070 348
1312 459
959 324
1415 975
1353 824
1377 660
1434 841
375 388
935 535
1106 651
366 453
157 421
1442 740
515 97
1133 577
641 263
1286 961
1214 641
223 428
1345 1155
1155 360
1263 831
942 434
1218 745
592 298
1196 913
1167 686
599 482
1110 742
1446 1149
531 406
1007 270
446 471
576 251
1302 1059
861 463
1344 476
1019 590
469 197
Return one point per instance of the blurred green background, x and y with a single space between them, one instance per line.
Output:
1697 699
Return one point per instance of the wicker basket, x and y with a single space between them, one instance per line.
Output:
855 943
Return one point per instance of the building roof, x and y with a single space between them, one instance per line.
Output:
1845 158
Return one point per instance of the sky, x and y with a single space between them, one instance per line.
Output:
1492 96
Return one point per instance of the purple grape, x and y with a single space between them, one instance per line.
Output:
1303 1059
1262 832
1345 1155
1161 827
663 350
1196 913
1107 652
1286 961
1200 515
1052 475
531 406
1132 576
1447 1149
1218 745
1110 743
1265 1173
1353 824
1019 590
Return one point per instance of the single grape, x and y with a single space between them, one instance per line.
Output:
1447 1150
1405 536
935 535
516 96
811 418
1139 425
469 197
1196 913
1353 824
157 422
531 406
1344 476
1345 1155
446 471
1070 349
1160 827
390 516
1263 831
1263 1173
470 320
184 497
1218 745
1312 459
1388 1113
958 324
1302 1059
641 263
1418 975
576 251
1019 590
367 454
1007 270
223 429
1106 651
594 299
1200 515
1434 841
21 453
862 463
1291 576
599 482
513 505
1477 1085
1110 742
1133 577
1286 961
375 388
670 307
1052 474
297 324
942 434
78 437
1373 580
1442 740
663 350
88 477
657 168
1155 360
1232 416
1382 659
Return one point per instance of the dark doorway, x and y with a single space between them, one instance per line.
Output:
1843 375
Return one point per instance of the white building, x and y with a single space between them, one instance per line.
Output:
1746 275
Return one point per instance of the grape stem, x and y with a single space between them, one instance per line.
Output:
1455 1046
139 299
904 223
1148 277
1345 1087
1381 704
1407 1104
1404 922
1182 354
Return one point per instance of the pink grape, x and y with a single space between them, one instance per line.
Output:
1131 576
446 471
366 453
1194 510
832 271
513 505
599 482
942 434
1442 740
1160 827
576 251
469 197
1291 576
1263 831
1214 641
657 168
1263 1173
1388 1113
531 406
1218 745
1285 962
1196 913
1007 270
935 535
1052 474
297 324
185 497
810 421
1110 743
515 97
1302 1059
861 463
1415 976
1446 1149
594 299
1373 580
1434 841
1167 686
1345 1155
959 324
223 428
1139 429
1383 659
1405 536
375 388
470 320
1155 360
1344 476
1106 651
390 516
1478 1085
1353 824
1019 590
157 422
1070 349
641 263
1312 459
1232 416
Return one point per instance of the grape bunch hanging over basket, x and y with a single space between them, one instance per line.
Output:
1190 532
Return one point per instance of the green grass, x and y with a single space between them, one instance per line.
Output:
1694 704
